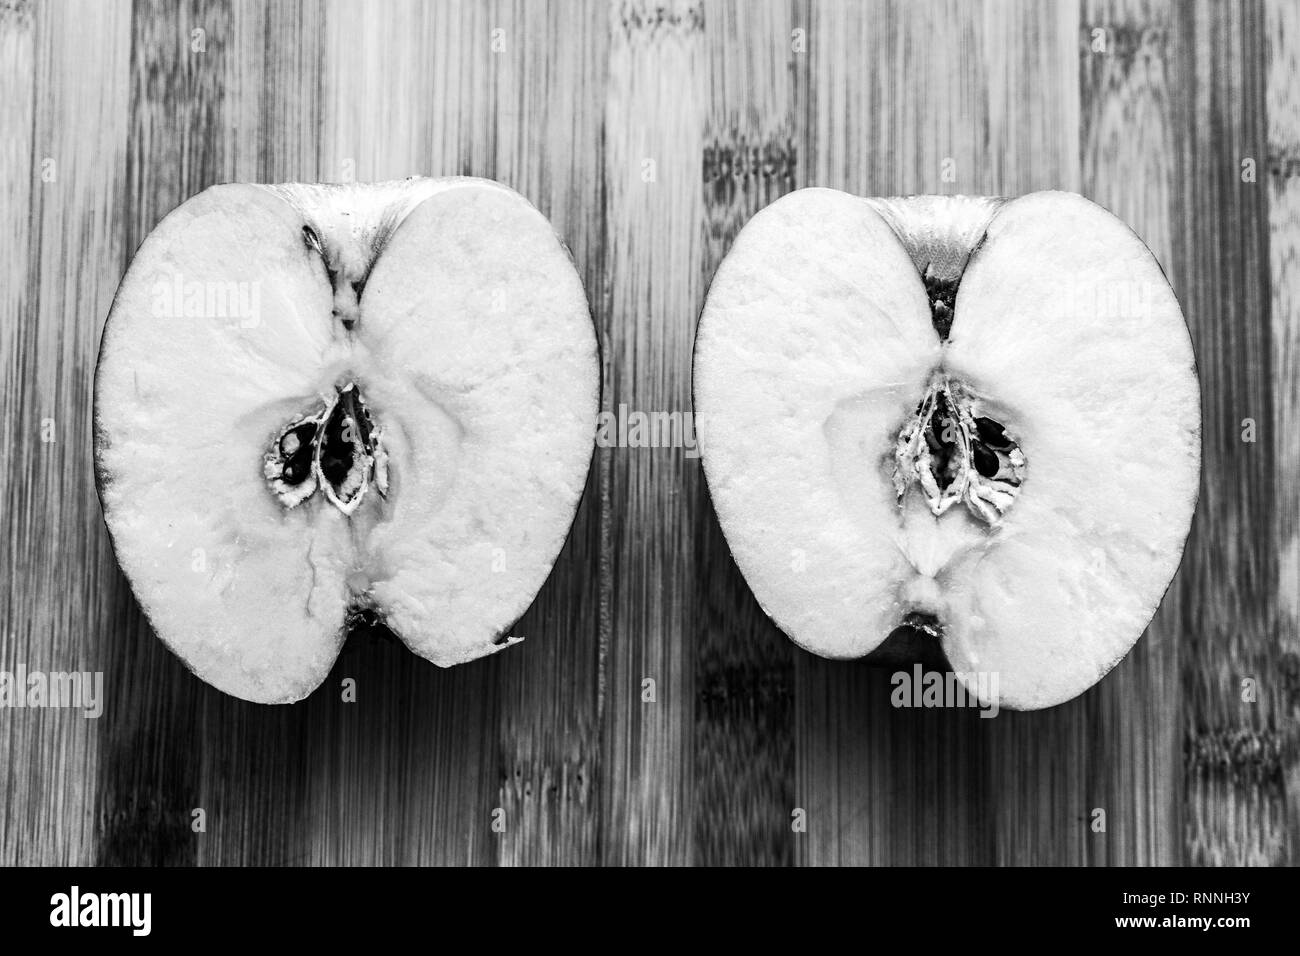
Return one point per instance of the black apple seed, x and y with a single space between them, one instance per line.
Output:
986 462
992 433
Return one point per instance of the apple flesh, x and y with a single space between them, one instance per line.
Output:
976 417
314 402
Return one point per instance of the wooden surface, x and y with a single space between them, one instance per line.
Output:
109 118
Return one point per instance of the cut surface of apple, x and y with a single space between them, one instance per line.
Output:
973 416
317 401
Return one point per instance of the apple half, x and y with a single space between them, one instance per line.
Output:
319 401
978 418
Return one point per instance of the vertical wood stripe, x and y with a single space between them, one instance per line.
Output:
1233 762
64 599
19 738
654 124
1282 103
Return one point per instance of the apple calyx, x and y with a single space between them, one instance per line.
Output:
337 449
951 453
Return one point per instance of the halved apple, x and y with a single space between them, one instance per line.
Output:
976 417
313 401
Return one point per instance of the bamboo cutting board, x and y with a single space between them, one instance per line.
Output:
649 133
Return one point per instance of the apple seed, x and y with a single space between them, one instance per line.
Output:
954 455
336 449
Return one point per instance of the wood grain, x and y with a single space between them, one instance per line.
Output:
18 738
654 124
64 595
649 132
1282 105
1234 772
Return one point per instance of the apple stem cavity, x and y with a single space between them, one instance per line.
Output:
337 449
950 453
